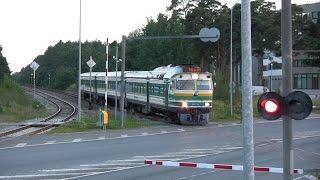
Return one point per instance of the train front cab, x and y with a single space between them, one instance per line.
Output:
190 95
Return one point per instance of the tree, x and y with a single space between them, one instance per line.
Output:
265 30
4 68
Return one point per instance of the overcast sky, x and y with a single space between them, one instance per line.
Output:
28 27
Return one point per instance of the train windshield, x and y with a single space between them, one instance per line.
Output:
204 85
185 85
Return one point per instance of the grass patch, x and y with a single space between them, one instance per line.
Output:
316 103
221 110
88 122
15 105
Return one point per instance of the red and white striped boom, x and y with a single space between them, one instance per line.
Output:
218 166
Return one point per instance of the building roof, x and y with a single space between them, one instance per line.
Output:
308 8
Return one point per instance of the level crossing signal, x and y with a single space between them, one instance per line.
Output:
297 105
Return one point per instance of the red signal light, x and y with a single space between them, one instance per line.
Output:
270 105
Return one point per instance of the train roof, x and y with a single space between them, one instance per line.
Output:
164 72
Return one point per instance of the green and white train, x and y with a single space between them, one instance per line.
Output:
182 93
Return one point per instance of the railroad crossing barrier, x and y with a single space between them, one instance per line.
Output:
218 166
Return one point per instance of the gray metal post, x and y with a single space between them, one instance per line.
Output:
286 48
90 88
230 86
49 80
271 65
123 66
116 91
106 77
79 70
34 83
247 114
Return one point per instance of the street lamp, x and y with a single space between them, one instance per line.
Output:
230 83
271 70
79 68
116 88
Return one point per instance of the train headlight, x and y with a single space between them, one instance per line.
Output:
206 104
184 104
195 76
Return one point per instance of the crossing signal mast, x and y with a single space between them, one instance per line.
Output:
297 105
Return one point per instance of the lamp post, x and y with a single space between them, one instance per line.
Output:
230 83
116 88
79 69
115 58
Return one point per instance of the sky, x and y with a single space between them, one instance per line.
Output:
28 28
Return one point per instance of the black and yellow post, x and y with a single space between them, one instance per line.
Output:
105 119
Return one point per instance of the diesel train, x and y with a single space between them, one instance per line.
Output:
182 93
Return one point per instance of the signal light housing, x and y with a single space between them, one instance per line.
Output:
297 105
270 105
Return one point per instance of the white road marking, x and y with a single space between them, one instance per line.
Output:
143 165
101 138
234 124
21 145
124 135
66 170
145 134
91 140
308 151
50 142
110 164
39 175
77 140
109 171
164 132
220 125
195 175
197 149
310 177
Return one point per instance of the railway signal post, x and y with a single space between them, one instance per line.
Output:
90 63
34 65
286 48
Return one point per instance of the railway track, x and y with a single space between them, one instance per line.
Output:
65 111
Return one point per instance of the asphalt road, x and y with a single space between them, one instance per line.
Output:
120 154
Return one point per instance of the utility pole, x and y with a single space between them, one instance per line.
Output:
247 114
123 66
116 88
79 70
230 84
34 83
286 48
106 79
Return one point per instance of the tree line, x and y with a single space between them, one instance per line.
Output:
4 68
184 17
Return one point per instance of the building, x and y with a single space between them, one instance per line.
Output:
312 11
305 72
